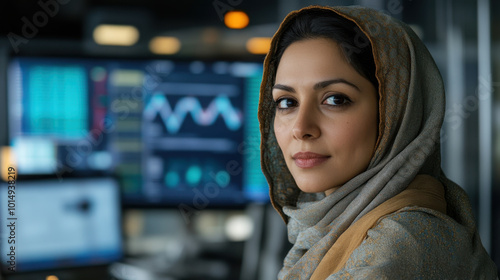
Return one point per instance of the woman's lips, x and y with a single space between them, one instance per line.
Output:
308 159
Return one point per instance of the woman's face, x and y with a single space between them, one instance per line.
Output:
326 115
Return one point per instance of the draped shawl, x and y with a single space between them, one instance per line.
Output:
411 112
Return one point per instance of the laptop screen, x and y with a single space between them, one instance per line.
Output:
49 224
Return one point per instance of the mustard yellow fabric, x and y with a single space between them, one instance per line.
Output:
415 242
424 191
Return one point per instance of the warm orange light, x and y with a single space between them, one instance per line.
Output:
164 45
236 19
51 277
6 161
259 45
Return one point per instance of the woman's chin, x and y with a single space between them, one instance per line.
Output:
311 188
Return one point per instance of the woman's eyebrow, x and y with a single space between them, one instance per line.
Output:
324 84
283 87
319 85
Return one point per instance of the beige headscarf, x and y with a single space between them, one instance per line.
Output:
411 108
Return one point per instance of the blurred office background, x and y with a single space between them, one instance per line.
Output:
132 126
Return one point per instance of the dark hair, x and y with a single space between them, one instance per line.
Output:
321 23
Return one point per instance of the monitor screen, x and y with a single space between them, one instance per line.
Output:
54 224
172 132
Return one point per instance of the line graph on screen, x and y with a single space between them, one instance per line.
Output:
173 116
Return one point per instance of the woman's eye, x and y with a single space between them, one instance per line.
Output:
285 103
337 100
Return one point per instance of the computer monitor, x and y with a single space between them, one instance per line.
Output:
172 132
53 224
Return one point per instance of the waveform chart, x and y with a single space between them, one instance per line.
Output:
191 134
193 109
173 118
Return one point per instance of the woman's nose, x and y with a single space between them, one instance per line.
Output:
306 124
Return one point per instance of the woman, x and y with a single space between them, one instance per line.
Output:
351 108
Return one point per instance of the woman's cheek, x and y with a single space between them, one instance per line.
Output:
279 127
279 132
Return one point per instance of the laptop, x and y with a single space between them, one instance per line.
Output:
59 229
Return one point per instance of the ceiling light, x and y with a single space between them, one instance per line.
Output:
259 45
164 45
116 35
236 19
